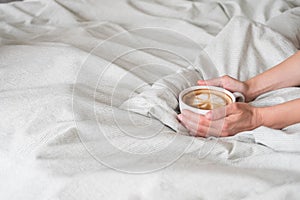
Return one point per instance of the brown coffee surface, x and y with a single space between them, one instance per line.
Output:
206 99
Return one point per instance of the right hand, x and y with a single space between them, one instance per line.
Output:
224 121
230 84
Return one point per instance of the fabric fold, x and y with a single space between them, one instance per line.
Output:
161 100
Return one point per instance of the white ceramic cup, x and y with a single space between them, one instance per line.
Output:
235 97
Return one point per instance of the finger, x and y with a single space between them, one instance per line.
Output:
196 129
218 125
179 117
198 125
216 114
193 122
203 131
194 117
221 112
215 82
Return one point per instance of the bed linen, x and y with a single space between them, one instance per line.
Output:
89 92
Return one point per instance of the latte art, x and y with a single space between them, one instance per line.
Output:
206 99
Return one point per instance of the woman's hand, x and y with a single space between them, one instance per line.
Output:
226 121
230 84
237 117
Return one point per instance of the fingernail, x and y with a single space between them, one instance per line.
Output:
208 115
179 117
185 112
202 82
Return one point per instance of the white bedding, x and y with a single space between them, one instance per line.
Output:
88 99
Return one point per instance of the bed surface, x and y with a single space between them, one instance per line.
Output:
88 99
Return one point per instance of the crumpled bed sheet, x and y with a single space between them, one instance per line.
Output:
89 93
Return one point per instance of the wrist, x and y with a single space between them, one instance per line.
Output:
253 89
249 91
266 115
259 117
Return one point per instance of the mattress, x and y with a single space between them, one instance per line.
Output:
89 97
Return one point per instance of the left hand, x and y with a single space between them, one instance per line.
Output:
225 121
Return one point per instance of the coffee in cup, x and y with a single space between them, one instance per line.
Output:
206 99
201 99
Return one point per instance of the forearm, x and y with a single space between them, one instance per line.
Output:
281 115
285 74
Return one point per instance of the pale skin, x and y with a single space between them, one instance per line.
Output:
238 117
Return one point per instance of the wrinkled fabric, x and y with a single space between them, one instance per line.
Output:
88 99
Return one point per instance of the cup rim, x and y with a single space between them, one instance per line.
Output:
220 89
